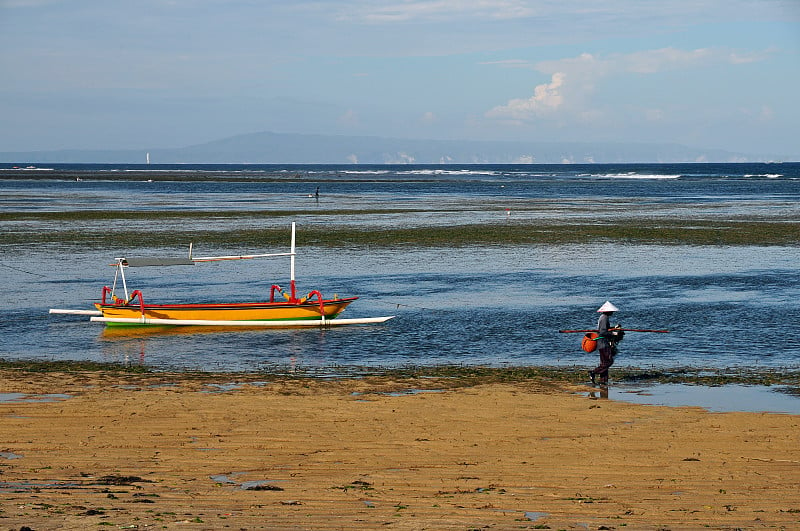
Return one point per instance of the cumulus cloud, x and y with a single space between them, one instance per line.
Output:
398 158
546 97
573 79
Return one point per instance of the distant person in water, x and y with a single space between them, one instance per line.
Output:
607 339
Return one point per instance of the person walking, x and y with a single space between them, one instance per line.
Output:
607 339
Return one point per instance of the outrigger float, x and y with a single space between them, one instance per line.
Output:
123 308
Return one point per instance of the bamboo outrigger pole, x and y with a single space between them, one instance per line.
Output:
622 329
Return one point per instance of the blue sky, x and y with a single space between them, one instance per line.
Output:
107 74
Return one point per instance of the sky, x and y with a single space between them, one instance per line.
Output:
147 74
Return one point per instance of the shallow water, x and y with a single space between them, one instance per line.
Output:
437 195
494 305
14 398
726 398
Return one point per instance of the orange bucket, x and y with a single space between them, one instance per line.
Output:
589 343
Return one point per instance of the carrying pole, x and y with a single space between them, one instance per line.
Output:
622 329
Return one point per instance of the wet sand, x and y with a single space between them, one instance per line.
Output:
184 451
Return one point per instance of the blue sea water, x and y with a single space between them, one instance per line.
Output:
499 305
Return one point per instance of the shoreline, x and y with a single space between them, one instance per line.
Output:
728 390
458 375
208 450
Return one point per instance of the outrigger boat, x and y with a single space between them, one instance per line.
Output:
119 307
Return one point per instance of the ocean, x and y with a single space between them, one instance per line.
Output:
497 304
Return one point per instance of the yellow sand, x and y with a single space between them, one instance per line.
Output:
348 455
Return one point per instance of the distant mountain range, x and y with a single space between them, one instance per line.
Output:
281 148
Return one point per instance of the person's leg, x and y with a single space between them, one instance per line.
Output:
606 360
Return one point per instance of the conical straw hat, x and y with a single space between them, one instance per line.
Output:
607 307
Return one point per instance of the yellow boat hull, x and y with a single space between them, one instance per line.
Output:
251 311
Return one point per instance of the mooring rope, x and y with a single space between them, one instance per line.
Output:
22 270
400 304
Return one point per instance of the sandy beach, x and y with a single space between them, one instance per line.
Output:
187 451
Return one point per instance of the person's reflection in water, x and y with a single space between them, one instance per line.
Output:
599 394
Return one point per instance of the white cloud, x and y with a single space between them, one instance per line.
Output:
426 10
546 97
736 58
648 61
623 15
510 63
398 158
652 61
573 79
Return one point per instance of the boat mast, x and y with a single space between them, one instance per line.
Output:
121 274
291 275
139 262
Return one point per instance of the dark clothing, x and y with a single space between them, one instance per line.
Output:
607 354
606 347
602 330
